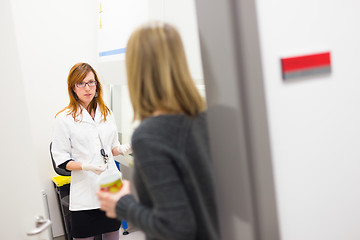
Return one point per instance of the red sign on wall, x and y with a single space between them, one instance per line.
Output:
306 65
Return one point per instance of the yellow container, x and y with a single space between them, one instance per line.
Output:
61 180
110 182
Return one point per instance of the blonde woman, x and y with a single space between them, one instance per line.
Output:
172 165
83 132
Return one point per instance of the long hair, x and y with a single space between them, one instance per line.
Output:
77 74
158 74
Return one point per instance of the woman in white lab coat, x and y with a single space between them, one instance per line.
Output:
81 130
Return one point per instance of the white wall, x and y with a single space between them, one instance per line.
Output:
181 14
18 182
51 37
314 121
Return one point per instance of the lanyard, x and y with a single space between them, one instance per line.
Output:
102 151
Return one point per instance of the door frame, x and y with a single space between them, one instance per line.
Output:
238 122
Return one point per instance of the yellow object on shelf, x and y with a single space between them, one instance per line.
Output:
61 180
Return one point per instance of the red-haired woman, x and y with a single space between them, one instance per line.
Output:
85 141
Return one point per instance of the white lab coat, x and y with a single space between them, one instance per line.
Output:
79 141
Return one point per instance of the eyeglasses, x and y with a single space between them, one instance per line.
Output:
91 83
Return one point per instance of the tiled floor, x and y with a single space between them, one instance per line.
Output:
134 234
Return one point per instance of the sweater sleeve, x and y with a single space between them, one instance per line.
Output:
169 214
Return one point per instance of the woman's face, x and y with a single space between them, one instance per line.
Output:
86 89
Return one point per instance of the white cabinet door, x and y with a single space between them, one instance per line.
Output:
21 196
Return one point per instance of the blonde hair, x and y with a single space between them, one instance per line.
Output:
158 73
77 74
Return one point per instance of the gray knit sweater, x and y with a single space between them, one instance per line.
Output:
173 177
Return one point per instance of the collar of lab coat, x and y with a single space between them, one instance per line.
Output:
86 117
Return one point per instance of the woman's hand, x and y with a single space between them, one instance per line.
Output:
125 149
122 149
97 169
108 200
